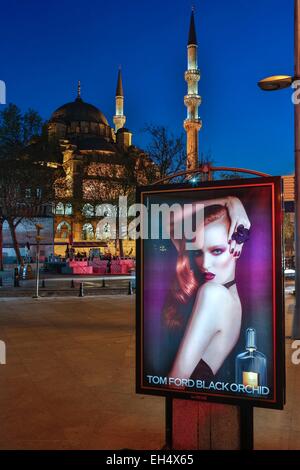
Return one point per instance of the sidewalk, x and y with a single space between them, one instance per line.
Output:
69 381
69 378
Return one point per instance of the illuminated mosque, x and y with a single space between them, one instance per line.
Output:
95 157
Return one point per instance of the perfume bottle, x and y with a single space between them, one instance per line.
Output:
251 365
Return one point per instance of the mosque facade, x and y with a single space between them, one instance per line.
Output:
98 161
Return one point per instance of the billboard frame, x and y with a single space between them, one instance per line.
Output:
277 294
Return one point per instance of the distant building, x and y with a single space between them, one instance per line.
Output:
289 193
26 235
289 219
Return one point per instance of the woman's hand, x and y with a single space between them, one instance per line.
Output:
238 217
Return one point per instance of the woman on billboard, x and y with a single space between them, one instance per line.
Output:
204 306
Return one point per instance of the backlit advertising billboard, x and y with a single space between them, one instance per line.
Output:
210 309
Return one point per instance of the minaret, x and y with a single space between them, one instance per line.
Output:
119 118
79 91
192 100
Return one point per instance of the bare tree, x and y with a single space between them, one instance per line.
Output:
27 175
288 236
166 151
233 175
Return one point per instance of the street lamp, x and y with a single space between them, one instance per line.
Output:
279 82
276 82
38 238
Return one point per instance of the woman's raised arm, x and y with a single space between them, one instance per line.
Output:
237 214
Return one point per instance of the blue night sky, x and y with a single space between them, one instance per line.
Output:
47 46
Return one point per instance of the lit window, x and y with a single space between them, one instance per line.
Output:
63 230
88 210
68 209
106 210
87 232
60 209
105 230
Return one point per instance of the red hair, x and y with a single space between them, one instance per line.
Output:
186 282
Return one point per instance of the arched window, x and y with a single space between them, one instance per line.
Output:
106 210
102 129
88 210
68 209
105 231
63 230
87 232
60 210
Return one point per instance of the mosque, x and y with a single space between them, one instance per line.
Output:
95 158
98 160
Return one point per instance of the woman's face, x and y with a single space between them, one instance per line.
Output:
214 259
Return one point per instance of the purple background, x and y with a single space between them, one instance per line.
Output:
253 277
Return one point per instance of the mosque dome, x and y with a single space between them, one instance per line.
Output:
78 110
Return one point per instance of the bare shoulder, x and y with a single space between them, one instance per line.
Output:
217 300
211 296
213 304
213 291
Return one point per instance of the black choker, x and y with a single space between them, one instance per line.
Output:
229 284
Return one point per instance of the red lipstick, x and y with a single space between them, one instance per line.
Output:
209 276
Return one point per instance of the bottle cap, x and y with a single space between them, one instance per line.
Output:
250 338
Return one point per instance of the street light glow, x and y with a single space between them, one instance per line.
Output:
276 82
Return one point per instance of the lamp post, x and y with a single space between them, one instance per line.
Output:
38 238
276 83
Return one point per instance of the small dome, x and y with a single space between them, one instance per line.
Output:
78 110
